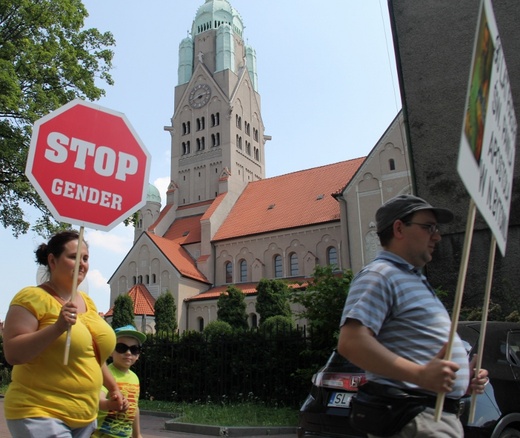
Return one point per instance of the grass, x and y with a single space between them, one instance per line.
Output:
244 414
249 414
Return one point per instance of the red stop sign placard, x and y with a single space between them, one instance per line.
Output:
88 165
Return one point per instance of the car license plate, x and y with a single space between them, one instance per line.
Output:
340 399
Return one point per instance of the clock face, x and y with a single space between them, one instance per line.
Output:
200 95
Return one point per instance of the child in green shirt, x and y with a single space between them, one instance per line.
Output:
113 423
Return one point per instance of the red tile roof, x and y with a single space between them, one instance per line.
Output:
216 202
144 302
184 230
176 254
246 288
294 200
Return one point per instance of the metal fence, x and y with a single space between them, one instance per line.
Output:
259 366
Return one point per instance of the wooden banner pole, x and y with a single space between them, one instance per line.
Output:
483 323
74 292
458 296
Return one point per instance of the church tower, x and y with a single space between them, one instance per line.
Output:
217 133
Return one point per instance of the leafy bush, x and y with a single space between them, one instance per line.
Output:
217 329
277 324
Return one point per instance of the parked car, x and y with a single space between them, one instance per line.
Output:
497 411
325 411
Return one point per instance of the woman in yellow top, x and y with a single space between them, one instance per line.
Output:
47 398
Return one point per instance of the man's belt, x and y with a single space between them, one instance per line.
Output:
451 405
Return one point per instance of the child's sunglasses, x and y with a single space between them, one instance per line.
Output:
123 348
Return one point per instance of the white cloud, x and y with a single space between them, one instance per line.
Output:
97 287
98 281
162 185
118 241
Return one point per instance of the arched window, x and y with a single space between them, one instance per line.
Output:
332 256
154 278
215 119
293 260
257 154
140 279
215 139
278 272
253 320
147 279
134 279
229 272
391 164
243 270
200 323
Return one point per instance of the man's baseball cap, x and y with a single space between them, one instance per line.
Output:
130 330
403 205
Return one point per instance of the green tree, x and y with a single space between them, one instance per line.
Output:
47 59
165 313
323 302
123 311
232 308
275 325
217 329
272 299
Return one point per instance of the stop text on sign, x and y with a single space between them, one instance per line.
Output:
106 161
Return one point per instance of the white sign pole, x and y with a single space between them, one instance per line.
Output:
483 323
74 292
458 296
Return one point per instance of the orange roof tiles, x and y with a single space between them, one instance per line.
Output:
144 302
293 200
216 202
176 254
184 230
246 288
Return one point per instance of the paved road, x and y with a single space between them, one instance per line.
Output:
153 426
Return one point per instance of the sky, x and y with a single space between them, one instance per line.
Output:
326 76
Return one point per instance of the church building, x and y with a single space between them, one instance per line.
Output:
224 222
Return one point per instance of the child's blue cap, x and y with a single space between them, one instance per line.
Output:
130 330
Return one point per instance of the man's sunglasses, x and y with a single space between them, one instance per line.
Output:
123 348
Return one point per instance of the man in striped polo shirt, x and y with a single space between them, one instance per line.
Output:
396 329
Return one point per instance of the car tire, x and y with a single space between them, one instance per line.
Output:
509 432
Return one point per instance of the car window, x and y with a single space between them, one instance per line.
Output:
513 348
